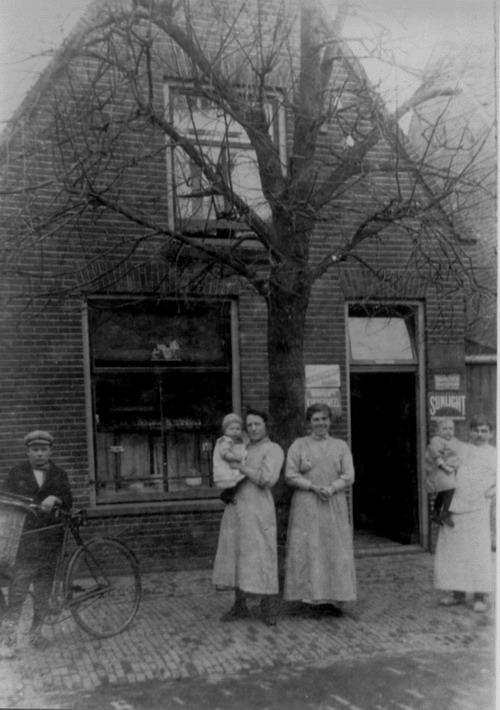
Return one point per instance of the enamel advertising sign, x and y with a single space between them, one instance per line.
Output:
323 385
447 398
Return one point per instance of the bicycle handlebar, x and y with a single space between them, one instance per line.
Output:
24 503
76 516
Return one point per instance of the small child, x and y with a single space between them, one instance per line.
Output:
441 462
230 449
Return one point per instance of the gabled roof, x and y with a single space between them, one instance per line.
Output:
405 147
91 18
49 73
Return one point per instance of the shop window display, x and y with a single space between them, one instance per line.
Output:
162 381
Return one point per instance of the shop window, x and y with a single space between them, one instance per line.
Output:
387 336
162 378
226 146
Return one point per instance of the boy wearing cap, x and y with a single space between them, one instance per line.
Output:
47 486
229 452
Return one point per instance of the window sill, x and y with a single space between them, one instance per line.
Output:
131 496
152 507
159 365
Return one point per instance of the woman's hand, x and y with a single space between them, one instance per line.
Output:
321 492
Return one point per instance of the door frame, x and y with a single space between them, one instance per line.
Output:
420 400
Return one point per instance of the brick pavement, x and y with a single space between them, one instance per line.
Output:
177 634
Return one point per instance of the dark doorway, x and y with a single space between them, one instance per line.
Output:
384 444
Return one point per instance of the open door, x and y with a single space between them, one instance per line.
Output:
384 445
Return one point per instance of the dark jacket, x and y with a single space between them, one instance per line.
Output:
21 481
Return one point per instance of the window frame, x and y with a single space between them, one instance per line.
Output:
240 142
389 312
201 493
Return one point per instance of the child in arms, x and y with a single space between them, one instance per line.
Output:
229 451
441 462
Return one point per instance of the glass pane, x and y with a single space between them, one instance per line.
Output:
128 434
127 401
380 340
246 182
198 117
155 431
213 131
165 333
194 198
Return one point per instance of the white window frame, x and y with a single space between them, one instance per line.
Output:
213 138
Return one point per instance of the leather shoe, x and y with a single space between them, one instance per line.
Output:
235 613
269 619
326 610
268 611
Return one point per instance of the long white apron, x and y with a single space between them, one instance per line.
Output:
320 560
463 559
246 556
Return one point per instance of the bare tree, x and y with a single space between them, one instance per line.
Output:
231 139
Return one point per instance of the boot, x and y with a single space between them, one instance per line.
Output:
453 599
268 610
227 496
446 519
326 609
8 642
239 610
36 638
436 517
479 603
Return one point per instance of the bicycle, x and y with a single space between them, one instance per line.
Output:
99 582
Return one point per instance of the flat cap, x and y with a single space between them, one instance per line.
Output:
38 437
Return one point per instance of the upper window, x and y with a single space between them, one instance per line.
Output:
226 146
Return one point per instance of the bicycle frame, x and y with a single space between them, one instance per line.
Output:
98 582
61 595
71 523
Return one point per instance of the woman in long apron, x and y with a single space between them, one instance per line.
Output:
463 562
319 568
246 558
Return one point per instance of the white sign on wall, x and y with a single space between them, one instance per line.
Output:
323 386
322 376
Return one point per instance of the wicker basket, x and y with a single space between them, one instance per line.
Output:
12 515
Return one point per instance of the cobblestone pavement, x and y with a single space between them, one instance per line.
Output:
421 680
177 634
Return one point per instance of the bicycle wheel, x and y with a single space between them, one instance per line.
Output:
103 587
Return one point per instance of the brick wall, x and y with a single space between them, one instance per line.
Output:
42 343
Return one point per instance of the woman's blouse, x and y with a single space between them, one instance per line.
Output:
263 463
324 462
476 477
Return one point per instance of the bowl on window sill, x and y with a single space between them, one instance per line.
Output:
193 481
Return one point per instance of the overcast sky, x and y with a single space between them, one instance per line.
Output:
29 28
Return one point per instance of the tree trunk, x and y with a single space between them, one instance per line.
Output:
287 309
286 327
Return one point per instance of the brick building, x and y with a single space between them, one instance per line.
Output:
123 343
468 119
